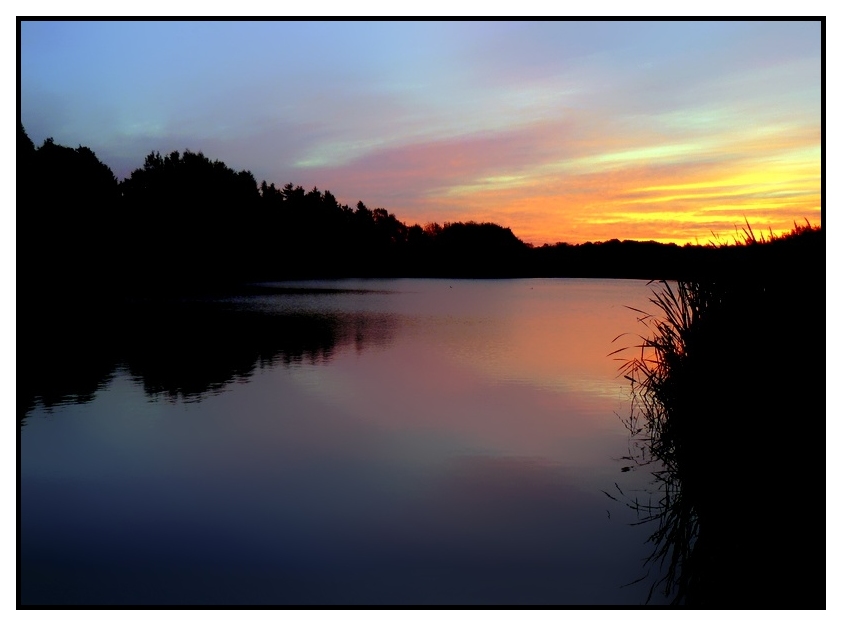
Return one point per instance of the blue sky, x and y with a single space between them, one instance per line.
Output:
562 130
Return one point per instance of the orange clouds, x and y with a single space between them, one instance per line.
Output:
563 131
581 177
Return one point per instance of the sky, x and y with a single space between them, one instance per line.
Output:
561 130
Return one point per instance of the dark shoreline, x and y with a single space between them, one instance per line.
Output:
729 402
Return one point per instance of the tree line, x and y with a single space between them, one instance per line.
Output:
183 222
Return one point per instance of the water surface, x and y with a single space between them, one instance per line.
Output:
371 441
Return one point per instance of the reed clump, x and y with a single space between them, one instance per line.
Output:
727 411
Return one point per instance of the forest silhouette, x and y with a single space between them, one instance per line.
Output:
182 223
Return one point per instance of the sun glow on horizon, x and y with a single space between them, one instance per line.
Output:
562 131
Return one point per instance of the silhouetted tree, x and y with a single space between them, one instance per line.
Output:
188 221
66 205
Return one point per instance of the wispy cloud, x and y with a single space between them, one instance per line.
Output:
568 131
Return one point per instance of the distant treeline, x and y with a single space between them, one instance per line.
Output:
182 222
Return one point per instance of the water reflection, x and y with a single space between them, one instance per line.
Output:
182 350
397 442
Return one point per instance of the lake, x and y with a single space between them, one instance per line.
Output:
337 442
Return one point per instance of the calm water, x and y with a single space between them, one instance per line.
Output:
402 441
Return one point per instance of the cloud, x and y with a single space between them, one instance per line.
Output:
560 130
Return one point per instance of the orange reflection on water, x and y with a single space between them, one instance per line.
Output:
531 377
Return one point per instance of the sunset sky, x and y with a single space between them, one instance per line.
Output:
562 130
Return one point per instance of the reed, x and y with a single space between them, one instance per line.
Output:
659 377
707 409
